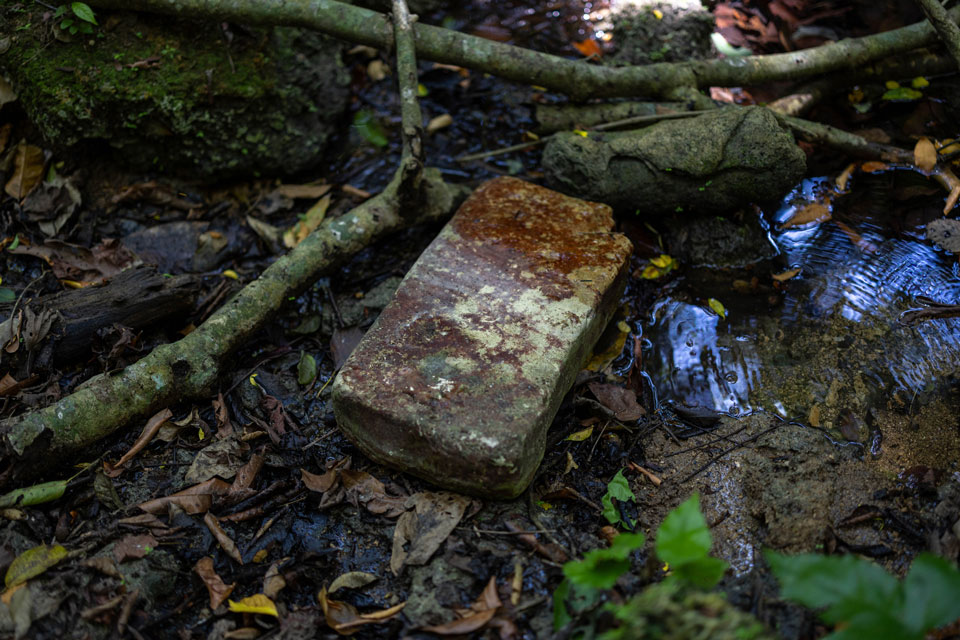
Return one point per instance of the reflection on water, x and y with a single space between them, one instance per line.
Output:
833 341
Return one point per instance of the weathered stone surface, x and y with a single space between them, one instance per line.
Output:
714 163
460 377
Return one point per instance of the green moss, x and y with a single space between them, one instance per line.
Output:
177 92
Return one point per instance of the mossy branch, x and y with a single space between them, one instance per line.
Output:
578 79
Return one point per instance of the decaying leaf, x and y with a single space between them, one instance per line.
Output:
925 155
351 580
809 213
28 164
79 264
32 563
134 546
440 122
434 517
273 581
154 193
52 204
221 458
223 538
193 500
216 588
307 191
946 233
621 402
344 618
365 490
319 483
476 617
149 431
309 221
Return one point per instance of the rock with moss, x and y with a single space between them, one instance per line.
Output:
181 96
714 163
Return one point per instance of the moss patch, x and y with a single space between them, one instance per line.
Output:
175 95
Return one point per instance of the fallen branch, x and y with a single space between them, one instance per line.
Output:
946 28
578 79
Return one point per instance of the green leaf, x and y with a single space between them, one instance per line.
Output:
683 541
902 94
931 593
36 494
561 617
600 568
368 127
83 11
618 488
32 563
7 295
306 369
846 585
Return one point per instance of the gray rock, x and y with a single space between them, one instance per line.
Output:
714 163
460 377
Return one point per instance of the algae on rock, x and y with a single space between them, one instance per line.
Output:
179 95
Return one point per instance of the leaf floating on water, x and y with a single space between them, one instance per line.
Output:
718 307
925 155
812 212
659 267
783 276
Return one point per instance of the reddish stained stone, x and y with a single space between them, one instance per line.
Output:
460 377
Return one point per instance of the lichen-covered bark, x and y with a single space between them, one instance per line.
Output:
190 367
578 79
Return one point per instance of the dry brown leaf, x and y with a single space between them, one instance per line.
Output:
223 538
27 170
273 581
439 122
77 263
351 580
344 618
149 431
247 473
424 529
307 191
363 489
218 590
844 177
925 155
621 402
7 383
193 500
5 131
783 276
134 547
474 618
812 212
319 483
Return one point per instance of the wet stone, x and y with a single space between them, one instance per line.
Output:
460 377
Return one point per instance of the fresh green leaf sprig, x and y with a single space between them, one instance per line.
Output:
76 17
864 601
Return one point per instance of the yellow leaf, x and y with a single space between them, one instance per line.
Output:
581 435
658 14
925 155
580 132
786 275
32 563
919 82
664 262
650 272
311 220
230 273
258 603
717 306
891 84
600 360
422 91
546 506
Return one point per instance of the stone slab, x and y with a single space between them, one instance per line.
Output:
460 377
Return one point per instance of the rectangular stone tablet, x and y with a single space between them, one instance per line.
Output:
460 377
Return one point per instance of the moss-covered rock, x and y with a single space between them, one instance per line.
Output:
177 95
714 163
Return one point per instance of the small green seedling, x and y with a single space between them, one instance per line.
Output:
864 601
617 489
80 18
682 542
